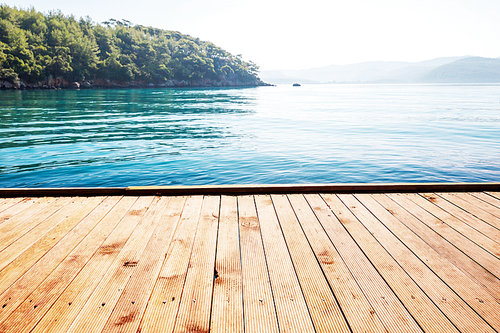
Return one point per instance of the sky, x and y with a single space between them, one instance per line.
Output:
290 34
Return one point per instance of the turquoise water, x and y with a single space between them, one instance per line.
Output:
284 134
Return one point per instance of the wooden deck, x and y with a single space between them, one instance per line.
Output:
386 262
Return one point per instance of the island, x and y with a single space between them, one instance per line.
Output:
53 50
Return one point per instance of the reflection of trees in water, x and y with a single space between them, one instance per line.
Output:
64 117
43 130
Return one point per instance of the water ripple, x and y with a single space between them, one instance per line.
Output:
311 134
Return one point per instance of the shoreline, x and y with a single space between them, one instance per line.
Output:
106 84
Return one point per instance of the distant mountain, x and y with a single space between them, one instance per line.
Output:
468 70
374 71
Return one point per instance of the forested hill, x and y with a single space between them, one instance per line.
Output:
53 49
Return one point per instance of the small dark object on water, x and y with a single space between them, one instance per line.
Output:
296 84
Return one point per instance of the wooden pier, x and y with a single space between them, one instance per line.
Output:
266 262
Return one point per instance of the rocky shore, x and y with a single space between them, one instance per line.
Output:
103 84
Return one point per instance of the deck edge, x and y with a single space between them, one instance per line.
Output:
251 189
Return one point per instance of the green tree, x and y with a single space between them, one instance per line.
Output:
36 46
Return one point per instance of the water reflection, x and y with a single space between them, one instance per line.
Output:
316 134
52 129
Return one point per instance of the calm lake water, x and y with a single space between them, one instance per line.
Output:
284 134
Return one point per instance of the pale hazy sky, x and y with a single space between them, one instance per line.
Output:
290 34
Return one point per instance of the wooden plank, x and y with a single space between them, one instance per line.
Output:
29 218
359 313
476 199
486 229
492 200
259 309
227 304
163 306
468 266
101 303
104 244
323 307
128 312
304 188
43 222
463 317
463 228
18 208
27 250
386 304
496 195
194 310
421 307
474 251
69 191
36 304
51 256
478 298
6 203
291 308
251 189
475 206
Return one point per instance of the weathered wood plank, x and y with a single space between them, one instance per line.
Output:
297 188
474 251
7 203
74 191
269 263
386 304
323 307
479 204
8 209
227 304
468 266
258 304
486 229
18 225
101 303
102 245
18 208
420 306
291 308
194 310
130 308
28 241
51 255
27 250
32 309
249 189
492 200
444 298
476 207
163 307
357 309
494 194
463 228
478 298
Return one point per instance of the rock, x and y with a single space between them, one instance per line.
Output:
75 85
86 84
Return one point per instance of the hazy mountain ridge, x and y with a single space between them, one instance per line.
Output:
445 70
468 70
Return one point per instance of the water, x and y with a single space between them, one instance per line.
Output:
267 135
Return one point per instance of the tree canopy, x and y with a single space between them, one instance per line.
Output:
35 47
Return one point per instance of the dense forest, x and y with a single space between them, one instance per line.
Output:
55 50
